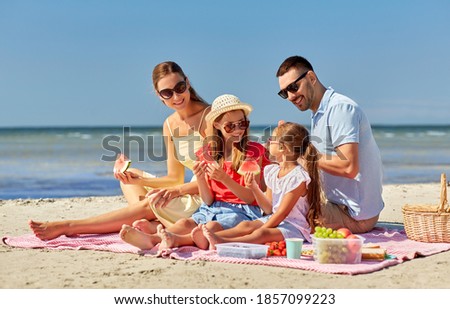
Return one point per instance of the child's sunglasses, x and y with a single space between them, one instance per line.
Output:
168 93
232 126
292 87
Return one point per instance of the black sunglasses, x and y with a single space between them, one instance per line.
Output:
179 88
232 126
292 87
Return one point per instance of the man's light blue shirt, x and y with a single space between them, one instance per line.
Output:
339 120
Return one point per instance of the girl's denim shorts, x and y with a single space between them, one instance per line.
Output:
228 215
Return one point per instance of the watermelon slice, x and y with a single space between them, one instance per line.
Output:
122 164
249 166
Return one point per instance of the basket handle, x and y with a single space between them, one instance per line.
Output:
444 206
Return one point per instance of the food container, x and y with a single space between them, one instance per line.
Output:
337 251
242 250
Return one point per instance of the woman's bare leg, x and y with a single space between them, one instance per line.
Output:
105 223
133 193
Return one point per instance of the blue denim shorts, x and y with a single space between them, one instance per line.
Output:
228 215
287 229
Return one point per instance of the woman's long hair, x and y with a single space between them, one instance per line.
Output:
296 138
165 68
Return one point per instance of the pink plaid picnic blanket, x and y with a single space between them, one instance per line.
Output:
394 241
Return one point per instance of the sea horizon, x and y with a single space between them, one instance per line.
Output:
73 161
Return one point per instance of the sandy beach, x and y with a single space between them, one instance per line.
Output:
39 268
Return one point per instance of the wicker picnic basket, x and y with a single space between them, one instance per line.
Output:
427 223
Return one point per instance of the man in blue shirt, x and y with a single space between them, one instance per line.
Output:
350 159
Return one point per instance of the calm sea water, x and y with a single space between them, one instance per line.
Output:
67 162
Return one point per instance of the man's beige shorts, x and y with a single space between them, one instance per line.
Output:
336 216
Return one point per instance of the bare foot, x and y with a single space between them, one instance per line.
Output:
168 240
48 230
198 237
143 225
137 238
211 237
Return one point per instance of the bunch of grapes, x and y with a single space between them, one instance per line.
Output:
336 246
323 232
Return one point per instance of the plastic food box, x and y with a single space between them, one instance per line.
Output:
242 250
337 251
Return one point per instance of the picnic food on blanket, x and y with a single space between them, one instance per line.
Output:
276 248
344 231
374 254
249 166
371 245
323 232
339 246
337 250
308 252
122 164
241 250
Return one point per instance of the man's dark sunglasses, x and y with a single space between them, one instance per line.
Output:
179 88
292 87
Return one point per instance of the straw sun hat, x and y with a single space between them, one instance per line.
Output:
226 103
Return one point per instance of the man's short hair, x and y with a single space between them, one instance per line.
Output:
297 62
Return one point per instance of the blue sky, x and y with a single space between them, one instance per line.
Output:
89 63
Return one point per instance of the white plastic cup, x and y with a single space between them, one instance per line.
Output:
294 248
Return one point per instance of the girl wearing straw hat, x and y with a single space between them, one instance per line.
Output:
226 199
